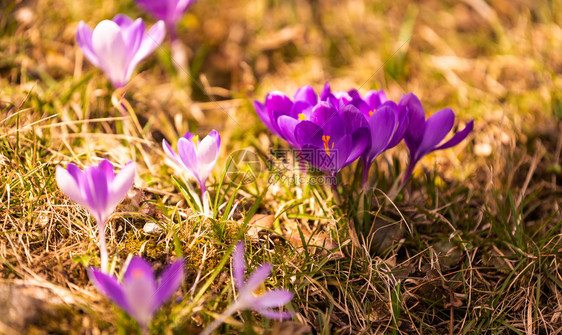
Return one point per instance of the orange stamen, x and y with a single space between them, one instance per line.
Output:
326 140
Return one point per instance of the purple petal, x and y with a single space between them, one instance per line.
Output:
274 298
109 287
337 157
375 98
122 183
461 135
326 92
353 119
171 153
238 265
306 94
138 268
133 35
265 116
107 168
150 41
207 154
403 119
111 49
437 127
257 278
287 127
416 128
308 133
157 8
97 193
84 40
69 186
170 281
188 155
381 125
123 20
277 104
189 136
275 315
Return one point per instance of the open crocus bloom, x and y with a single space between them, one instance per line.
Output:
424 136
117 47
99 190
281 115
198 157
96 188
169 11
331 139
247 299
140 295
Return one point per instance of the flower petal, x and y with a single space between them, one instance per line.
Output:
274 298
437 127
461 135
121 185
111 49
171 153
84 40
123 20
109 287
188 155
238 265
138 268
275 315
150 41
170 281
107 168
69 186
381 125
287 127
257 278
207 154
306 94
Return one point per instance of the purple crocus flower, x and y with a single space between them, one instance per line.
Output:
424 136
99 190
198 157
140 294
117 47
169 11
247 297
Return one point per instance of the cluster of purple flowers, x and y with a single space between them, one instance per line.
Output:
334 129
330 131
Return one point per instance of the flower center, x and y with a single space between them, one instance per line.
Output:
302 117
372 112
195 140
138 273
326 140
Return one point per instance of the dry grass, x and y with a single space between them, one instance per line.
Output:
478 249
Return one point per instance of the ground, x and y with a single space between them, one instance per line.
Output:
472 244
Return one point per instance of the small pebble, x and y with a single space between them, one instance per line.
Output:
152 228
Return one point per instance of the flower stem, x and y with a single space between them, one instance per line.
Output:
365 176
205 199
103 249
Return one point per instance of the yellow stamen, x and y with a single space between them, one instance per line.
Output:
326 140
372 112
302 117
195 140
